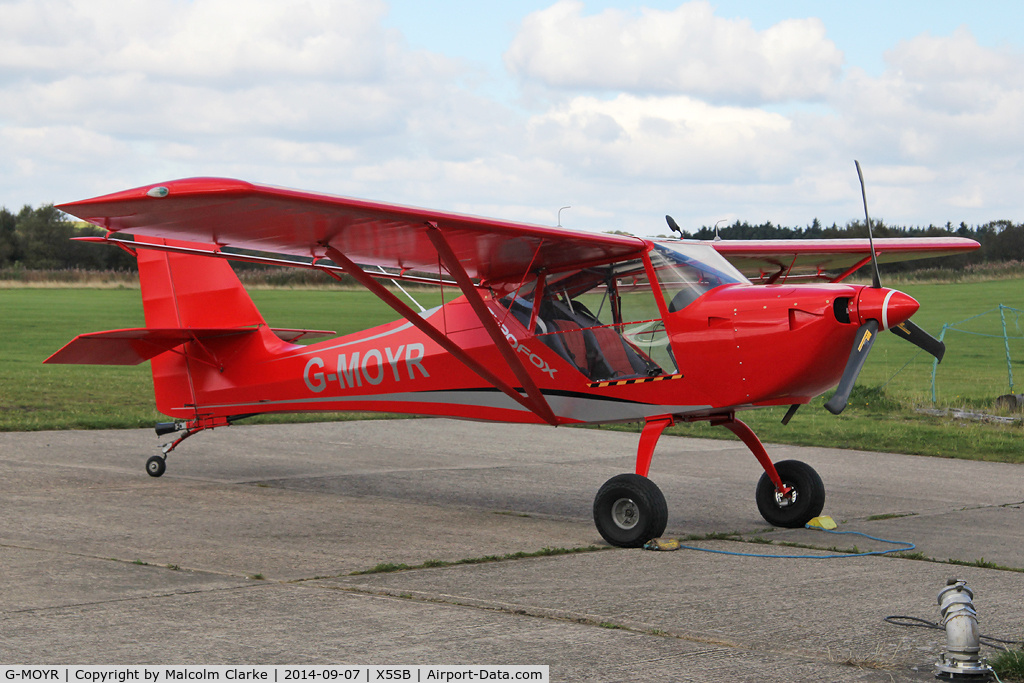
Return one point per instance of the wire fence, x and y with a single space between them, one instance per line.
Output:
1004 313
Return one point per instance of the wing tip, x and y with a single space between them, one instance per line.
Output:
192 187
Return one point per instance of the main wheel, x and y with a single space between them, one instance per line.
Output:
801 505
156 466
630 510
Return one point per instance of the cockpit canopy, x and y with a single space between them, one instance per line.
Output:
605 320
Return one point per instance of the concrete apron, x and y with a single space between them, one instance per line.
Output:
242 552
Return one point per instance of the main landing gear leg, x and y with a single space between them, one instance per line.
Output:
630 509
789 493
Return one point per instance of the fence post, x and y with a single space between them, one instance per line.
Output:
935 363
1006 343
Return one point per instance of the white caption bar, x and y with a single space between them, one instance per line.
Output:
273 674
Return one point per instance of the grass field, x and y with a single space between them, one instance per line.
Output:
974 369
36 322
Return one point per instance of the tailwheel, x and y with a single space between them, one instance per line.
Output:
799 506
156 465
630 510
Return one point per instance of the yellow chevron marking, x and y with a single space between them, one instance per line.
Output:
864 340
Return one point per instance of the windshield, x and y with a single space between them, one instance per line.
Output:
687 270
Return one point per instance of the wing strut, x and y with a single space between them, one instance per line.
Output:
366 280
851 270
455 269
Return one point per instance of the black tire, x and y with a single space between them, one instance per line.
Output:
630 510
790 513
156 466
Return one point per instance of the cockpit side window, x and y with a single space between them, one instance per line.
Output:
604 321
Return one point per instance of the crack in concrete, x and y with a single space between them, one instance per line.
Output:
134 598
173 567
597 621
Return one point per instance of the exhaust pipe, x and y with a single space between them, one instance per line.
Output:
168 427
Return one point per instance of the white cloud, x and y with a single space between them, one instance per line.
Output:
643 138
939 131
686 51
938 92
210 67
102 95
267 90
206 40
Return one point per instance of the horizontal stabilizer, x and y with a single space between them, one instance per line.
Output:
133 346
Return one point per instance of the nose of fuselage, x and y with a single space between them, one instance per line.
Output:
888 306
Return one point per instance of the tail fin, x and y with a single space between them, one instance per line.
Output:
203 334
180 290
184 291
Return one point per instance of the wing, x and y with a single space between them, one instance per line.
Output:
233 213
762 260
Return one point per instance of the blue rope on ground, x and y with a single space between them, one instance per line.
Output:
905 547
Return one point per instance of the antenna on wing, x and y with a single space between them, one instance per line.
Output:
717 238
876 280
560 215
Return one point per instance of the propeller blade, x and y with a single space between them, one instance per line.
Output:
862 344
876 280
918 337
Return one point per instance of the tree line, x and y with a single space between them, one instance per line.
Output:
40 239
1001 240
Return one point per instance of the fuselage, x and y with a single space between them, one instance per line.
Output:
736 346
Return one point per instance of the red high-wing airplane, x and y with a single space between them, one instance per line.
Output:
553 326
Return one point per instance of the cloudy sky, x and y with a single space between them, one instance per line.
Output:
624 111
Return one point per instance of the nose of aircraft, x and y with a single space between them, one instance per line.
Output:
888 306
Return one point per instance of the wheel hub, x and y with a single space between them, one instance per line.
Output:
625 513
788 499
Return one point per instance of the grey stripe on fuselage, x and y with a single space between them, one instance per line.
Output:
574 407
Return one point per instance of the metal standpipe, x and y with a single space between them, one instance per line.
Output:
961 661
